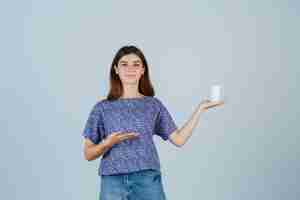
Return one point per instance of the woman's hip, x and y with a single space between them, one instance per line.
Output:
140 185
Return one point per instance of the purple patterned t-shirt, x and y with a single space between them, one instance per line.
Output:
145 115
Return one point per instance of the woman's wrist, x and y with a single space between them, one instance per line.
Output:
105 143
200 109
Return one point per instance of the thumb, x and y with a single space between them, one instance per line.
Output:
116 133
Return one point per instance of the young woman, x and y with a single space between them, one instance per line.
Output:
120 128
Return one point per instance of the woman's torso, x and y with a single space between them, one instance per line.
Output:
130 115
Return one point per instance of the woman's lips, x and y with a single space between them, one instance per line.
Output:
130 75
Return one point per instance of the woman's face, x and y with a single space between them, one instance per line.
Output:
130 69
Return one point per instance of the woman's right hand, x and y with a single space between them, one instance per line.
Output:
118 137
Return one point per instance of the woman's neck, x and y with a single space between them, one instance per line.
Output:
128 96
131 91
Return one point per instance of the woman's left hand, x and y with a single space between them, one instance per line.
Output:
206 104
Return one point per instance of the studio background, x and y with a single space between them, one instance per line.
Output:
55 60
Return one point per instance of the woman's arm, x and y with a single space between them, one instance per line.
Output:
93 151
180 136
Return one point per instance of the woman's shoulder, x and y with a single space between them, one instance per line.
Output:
101 100
158 101
98 103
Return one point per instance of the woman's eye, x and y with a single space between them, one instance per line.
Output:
126 65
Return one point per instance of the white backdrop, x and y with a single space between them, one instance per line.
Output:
55 59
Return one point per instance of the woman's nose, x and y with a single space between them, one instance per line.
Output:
131 68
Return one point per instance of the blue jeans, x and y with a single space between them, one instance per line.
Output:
141 185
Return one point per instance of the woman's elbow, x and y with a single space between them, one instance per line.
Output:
179 143
87 157
177 140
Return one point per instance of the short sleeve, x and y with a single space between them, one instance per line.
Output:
164 124
94 128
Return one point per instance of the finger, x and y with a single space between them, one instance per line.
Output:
131 137
219 103
128 136
130 133
214 105
116 133
133 133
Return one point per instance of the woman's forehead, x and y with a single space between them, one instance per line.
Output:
130 58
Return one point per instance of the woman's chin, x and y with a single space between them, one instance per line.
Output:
130 81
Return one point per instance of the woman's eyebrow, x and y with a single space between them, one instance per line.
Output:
135 61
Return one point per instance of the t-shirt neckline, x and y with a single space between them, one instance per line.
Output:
133 98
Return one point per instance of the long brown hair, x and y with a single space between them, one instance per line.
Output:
116 88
